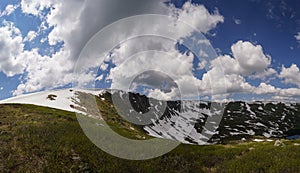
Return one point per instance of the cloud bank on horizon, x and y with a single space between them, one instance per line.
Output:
40 42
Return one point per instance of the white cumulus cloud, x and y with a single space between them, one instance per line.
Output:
198 16
248 59
11 46
290 75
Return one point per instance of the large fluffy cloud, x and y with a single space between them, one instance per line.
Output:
76 27
248 59
291 75
11 46
197 16
72 28
41 71
264 88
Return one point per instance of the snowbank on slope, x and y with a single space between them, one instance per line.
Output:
59 99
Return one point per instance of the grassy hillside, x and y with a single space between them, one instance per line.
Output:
39 139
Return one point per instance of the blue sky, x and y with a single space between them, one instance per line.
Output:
57 36
274 32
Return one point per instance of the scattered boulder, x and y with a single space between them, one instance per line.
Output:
99 124
75 156
26 115
3 132
251 148
279 143
51 97
258 140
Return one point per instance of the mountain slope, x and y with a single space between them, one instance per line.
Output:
185 121
239 120
41 139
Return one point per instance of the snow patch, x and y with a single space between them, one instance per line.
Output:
65 99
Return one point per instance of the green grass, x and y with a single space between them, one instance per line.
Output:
40 139
106 110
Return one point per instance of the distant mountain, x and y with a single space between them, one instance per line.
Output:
188 121
197 121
